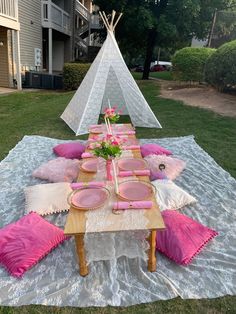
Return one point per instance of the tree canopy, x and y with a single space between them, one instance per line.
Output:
163 23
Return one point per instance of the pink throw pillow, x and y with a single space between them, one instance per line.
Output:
25 242
69 150
171 167
183 237
154 149
58 170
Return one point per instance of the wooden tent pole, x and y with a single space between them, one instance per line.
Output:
112 19
104 14
107 26
117 20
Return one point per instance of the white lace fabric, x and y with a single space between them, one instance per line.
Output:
124 281
108 78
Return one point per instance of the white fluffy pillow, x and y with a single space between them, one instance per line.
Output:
171 196
47 199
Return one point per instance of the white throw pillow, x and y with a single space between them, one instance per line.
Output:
46 199
171 196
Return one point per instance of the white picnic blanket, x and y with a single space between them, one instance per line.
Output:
125 281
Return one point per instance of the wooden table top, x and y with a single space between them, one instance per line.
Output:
76 219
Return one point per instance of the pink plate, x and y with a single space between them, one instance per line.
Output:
89 198
90 165
135 190
130 141
131 164
97 129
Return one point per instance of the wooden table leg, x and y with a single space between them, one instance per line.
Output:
151 254
79 243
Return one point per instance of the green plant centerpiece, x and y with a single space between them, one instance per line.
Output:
111 114
108 147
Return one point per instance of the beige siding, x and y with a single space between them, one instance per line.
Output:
4 64
30 31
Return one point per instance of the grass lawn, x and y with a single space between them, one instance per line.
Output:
37 113
165 75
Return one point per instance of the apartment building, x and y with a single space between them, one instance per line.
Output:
10 68
41 35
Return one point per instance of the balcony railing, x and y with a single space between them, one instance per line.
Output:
83 11
95 21
55 17
9 9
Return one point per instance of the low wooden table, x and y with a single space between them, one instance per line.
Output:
76 224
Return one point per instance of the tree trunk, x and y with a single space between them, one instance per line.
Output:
151 41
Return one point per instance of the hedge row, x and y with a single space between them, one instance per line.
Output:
216 67
189 63
221 67
73 74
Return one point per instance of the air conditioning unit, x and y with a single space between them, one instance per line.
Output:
58 82
47 81
33 79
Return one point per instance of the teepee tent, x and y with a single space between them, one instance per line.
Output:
108 79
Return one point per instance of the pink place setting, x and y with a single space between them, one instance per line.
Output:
90 165
130 164
88 198
97 129
135 190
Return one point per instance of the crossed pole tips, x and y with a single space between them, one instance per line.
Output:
112 24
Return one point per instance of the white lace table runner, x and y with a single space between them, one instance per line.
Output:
110 245
124 282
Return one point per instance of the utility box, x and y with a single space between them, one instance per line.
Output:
58 82
47 81
42 80
33 79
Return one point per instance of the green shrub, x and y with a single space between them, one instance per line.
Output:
73 74
189 63
220 70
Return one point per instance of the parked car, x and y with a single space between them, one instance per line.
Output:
157 68
161 66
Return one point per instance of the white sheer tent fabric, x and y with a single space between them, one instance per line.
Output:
108 78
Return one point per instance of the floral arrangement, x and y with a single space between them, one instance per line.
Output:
111 114
108 147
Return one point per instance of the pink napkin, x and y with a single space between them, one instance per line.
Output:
78 185
125 133
130 147
132 205
134 173
87 155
